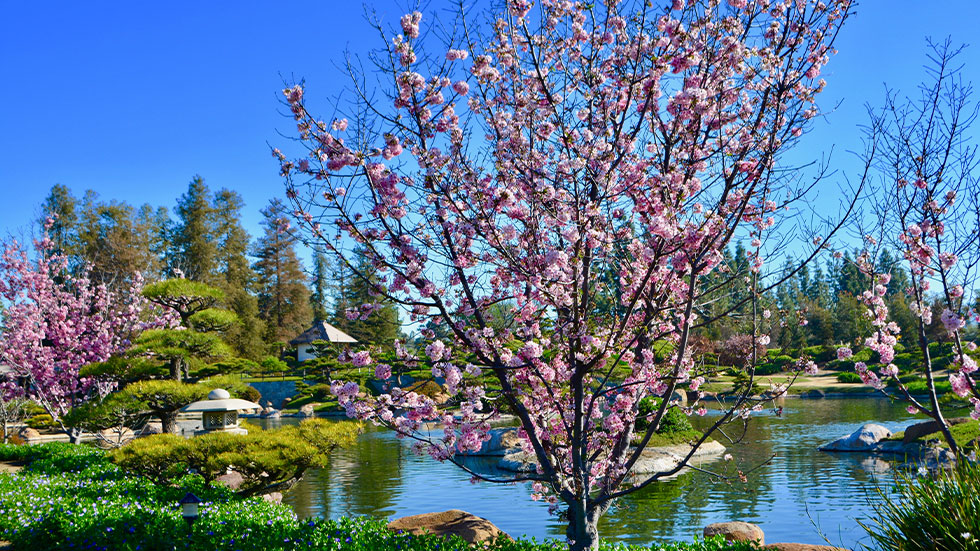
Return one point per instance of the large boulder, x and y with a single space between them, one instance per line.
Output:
271 413
518 462
307 410
232 479
471 528
28 434
919 430
800 547
665 458
814 393
865 439
736 531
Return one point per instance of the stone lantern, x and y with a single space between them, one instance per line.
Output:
220 412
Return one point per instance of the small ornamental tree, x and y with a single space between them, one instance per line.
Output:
928 209
578 155
56 321
196 337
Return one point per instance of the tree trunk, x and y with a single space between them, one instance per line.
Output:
175 369
169 421
583 529
75 435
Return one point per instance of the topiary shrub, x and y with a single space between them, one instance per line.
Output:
429 388
674 420
848 377
319 392
41 422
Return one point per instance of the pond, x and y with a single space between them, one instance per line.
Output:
797 496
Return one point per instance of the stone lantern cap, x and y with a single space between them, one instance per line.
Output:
220 400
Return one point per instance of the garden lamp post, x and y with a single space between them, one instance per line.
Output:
188 507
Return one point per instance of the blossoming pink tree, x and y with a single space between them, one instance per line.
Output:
927 206
56 321
560 157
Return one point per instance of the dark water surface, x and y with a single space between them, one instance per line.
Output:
799 494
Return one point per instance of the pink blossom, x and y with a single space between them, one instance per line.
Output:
436 351
361 359
844 353
410 24
461 87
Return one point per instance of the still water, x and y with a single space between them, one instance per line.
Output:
797 496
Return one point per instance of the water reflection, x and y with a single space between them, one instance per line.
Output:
795 490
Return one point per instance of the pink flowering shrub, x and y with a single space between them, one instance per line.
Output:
56 321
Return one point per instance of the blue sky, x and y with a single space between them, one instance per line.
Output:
132 99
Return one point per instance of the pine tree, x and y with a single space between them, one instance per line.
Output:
382 325
194 248
237 278
283 298
318 298
60 208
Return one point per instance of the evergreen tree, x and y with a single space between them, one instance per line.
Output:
60 207
115 242
194 249
283 298
318 298
382 325
237 278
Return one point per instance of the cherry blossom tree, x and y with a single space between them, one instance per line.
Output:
926 205
56 321
559 157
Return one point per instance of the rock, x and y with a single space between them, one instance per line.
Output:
679 397
232 479
800 547
471 528
151 428
271 413
307 410
27 433
865 439
815 393
736 531
665 458
274 497
921 429
518 462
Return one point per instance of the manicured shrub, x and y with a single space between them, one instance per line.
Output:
427 388
41 422
320 392
848 377
938 511
768 368
674 420
821 353
267 460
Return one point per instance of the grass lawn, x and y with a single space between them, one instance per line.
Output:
965 435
